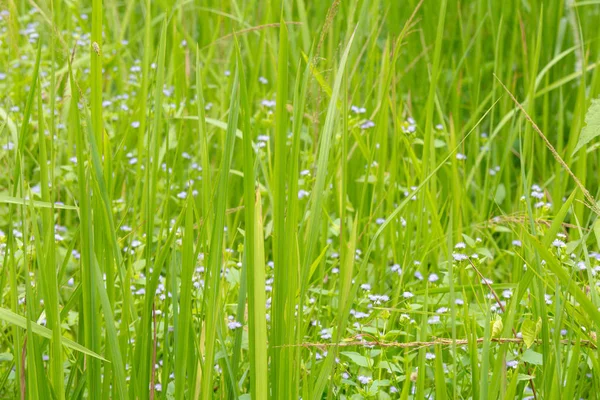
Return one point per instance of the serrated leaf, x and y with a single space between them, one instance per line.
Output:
592 125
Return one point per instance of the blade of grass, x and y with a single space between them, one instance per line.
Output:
215 256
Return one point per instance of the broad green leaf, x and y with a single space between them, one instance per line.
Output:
592 125
500 193
532 357
357 359
469 240
389 366
497 327
529 332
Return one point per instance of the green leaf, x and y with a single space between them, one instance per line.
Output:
500 194
497 327
597 231
555 267
20 321
469 240
4 198
357 359
528 330
524 377
389 366
533 357
592 128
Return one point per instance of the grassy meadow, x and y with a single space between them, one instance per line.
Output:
342 199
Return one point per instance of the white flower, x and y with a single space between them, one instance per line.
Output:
378 298
367 124
303 193
268 103
459 257
358 110
364 379
233 324
537 195
558 243
325 334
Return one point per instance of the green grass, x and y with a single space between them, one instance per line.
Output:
280 200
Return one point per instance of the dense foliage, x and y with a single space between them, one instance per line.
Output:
358 199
